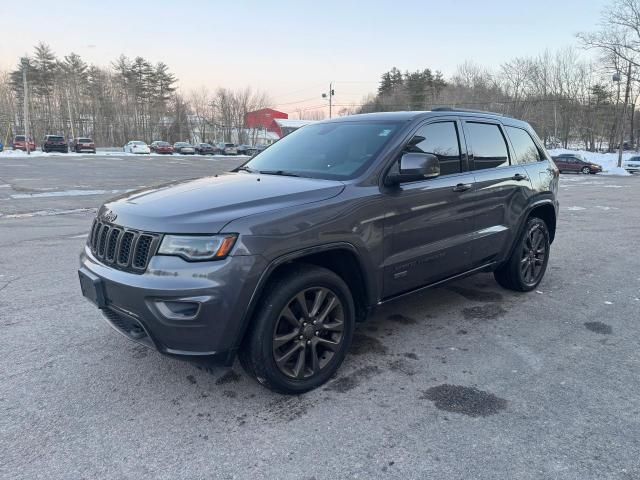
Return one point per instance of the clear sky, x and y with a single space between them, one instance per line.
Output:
293 49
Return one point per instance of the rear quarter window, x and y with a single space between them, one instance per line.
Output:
488 145
523 145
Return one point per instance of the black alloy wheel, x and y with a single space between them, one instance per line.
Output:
534 256
527 263
308 332
301 329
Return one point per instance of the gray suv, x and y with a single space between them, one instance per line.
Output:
277 260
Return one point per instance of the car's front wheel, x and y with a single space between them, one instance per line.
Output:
527 264
301 331
586 170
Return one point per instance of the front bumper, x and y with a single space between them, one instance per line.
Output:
190 310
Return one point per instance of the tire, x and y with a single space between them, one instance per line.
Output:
586 170
526 266
306 363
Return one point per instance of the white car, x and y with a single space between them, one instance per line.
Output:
227 149
632 165
136 146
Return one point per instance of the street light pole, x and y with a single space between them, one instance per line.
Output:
330 96
25 64
624 114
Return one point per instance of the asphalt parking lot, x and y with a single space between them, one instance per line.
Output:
465 381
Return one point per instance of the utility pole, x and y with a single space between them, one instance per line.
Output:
330 96
25 64
624 114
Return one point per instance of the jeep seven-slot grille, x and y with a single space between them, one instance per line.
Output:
122 248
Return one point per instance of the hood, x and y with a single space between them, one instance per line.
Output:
207 204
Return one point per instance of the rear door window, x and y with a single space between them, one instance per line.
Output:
488 145
523 145
441 140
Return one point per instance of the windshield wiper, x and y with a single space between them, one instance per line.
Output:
245 169
284 173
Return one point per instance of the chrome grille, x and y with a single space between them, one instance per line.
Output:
122 248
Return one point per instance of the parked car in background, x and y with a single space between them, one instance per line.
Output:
204 149
55 143
632 165
1 146
83 144
19 143
260 148
161 147
574 162
244 149
226 149
184 148
137 146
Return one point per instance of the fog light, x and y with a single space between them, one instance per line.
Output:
178 310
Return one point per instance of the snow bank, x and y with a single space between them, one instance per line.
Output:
106 152
608 161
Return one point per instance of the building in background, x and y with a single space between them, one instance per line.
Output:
286 126
271 125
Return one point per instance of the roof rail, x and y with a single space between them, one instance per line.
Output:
464 110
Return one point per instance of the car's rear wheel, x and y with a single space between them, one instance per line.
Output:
301 331
527 264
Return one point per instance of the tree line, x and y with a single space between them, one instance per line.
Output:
129 99
570 101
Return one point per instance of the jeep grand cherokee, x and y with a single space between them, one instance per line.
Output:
278 260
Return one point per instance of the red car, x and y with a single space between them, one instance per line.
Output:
83 144
20 144
161 147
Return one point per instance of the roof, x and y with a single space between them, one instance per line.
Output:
265 110
412 115
286 123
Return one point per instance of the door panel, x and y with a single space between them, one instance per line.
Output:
500 200
431 230
501 192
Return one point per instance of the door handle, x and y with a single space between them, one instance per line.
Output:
518 177
462 187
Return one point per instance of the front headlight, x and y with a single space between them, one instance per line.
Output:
197 248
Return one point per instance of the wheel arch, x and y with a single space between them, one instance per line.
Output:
544 208
342 258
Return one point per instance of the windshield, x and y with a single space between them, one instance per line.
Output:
19 138
138 143
54 138
326 150
84 140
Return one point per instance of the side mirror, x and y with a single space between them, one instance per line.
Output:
415 166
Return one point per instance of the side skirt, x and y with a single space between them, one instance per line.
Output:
486 267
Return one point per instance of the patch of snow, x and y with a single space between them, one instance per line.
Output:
48 213
608 303
575 209
67 193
